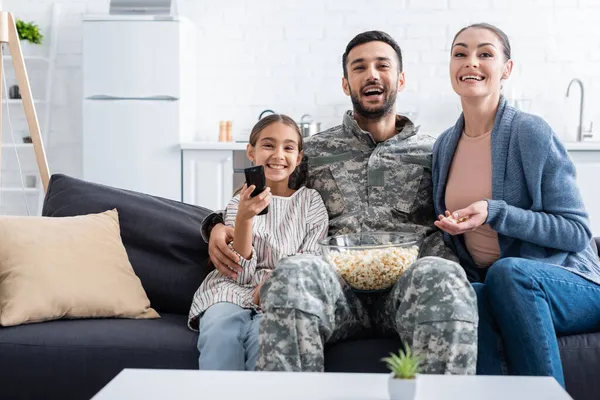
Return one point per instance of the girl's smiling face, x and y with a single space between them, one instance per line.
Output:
278 150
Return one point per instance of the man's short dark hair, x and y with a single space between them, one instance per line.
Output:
371 36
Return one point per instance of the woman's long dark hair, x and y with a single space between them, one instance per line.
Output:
495 30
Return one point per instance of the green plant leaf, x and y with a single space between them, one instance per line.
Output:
404 365
29 31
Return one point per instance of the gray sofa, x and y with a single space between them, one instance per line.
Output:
73 359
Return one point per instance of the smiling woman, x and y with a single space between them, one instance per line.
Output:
480 62
506 194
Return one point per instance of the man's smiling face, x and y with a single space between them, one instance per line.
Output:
373 79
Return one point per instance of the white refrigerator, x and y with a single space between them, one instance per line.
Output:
139 101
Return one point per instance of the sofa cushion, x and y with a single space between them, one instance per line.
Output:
360 355
161 236
73 267
73 359
580 356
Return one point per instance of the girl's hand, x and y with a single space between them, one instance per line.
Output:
249 207
464 220
256 294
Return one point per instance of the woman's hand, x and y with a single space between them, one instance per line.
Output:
464 220
249 207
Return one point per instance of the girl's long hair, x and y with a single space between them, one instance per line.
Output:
299 175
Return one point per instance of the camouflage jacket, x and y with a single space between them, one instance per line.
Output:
370 186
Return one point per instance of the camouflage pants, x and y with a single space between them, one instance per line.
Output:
306 305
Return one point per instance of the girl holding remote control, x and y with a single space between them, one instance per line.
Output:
226 309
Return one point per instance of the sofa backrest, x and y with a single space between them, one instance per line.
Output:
162 237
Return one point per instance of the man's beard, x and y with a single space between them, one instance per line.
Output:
373 113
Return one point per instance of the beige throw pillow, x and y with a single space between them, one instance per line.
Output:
68 267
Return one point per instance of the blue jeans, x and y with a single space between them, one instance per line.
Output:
228 338
523 306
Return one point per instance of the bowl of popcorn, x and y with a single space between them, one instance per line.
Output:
371 261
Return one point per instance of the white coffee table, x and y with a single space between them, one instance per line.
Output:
147 384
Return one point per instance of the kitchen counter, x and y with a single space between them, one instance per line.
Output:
212 165
582 146
214 146
571 146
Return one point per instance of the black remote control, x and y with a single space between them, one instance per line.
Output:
256 176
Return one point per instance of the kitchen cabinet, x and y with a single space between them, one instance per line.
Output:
207 178
211 172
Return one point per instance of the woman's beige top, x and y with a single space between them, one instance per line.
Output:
470 180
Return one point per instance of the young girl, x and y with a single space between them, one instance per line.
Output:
226 310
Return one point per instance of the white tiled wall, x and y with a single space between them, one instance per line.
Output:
285 55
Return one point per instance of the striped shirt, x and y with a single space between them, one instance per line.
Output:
292 226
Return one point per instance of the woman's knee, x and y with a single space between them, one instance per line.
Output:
508 273
509 280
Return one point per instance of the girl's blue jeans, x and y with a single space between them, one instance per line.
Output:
523 306
228 338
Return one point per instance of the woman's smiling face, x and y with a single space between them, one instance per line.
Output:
478 63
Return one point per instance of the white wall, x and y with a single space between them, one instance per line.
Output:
286 55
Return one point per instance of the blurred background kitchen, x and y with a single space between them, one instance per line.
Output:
285 56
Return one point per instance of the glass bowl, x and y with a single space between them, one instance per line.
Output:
371 261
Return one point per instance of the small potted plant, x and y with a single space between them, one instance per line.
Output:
29 32
405 367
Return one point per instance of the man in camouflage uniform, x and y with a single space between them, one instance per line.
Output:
374 174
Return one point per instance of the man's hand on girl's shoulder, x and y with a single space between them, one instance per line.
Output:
222 256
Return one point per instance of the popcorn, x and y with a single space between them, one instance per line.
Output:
456 221
374 269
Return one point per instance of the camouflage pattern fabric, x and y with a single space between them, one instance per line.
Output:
306 305
369 186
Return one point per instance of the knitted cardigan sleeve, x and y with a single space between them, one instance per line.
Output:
562 223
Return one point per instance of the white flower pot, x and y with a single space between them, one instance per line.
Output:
27 49
401 389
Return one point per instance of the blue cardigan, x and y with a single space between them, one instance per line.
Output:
536 207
